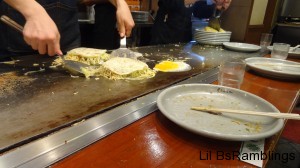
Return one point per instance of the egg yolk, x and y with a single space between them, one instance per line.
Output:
166 65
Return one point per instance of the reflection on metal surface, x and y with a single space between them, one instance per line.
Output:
188 49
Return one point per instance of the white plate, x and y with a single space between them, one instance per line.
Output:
213 35
284 69
292 54
205 32
175 103
207 38
210 42
214 40
241 46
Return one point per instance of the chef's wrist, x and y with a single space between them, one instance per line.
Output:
118 3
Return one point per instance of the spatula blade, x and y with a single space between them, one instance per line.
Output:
214 23
74 67
123 51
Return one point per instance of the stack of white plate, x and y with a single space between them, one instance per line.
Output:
211 38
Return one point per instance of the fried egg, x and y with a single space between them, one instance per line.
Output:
172 66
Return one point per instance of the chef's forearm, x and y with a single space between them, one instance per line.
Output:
28 8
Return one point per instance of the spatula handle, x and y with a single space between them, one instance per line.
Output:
217 13
11 23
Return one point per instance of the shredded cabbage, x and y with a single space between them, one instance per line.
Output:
88 60
104 72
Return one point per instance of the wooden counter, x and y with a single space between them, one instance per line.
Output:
155 141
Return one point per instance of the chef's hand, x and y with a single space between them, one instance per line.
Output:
40 32
222 4
124 19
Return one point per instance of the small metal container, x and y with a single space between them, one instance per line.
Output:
140 16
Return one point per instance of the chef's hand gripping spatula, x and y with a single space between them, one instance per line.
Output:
73 67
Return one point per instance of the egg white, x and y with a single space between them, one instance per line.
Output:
182 66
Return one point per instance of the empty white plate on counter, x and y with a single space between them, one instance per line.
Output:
273 67
241 46
175 103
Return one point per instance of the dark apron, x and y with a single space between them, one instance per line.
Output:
172 23
105 34
201 10
63 12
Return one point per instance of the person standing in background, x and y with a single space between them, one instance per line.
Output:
173 19
202 9
105 31
106 34
50 26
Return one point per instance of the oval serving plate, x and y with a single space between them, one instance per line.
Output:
241 46
284 69
175 103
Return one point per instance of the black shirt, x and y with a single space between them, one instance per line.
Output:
173 21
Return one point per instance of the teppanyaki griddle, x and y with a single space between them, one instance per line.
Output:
40 103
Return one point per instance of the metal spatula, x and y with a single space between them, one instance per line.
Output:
123 51
214 21
74 67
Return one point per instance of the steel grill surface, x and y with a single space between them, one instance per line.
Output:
47 100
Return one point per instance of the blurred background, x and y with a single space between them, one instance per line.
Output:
246 19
